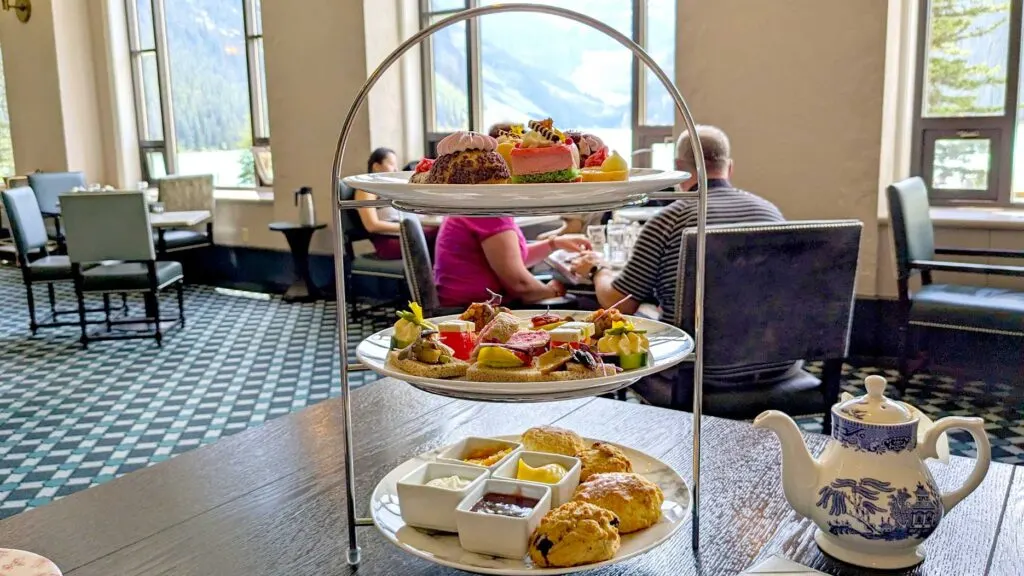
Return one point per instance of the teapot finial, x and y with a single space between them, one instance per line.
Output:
876 387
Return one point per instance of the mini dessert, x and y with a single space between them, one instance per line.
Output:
633 498
481 313
515 506
613 169
468 158
419 176
546 474
544 155
409 326
553 440
428 357
624 346
570 337
602 457
548 321
458 335
575 533
453 482
597 158
588 144
487 456
586 329
604 319
507 140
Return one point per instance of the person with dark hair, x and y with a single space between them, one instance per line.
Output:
382 224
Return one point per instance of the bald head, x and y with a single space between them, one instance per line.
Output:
715 146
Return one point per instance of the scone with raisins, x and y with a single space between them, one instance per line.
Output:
575 533
553 440
602 457
633 498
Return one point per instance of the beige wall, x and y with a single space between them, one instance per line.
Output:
798 86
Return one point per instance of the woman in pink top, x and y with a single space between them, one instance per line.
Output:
477 254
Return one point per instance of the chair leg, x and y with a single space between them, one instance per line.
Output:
53 300
831 379
156 317
32 324
124 303
106 310
181 302
81 314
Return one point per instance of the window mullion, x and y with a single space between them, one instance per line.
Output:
252 63
1009 136
164 82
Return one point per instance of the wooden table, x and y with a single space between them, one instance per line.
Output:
271 500
182 219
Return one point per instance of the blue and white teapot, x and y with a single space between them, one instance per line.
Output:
870 494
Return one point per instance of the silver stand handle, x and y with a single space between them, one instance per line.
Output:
339 257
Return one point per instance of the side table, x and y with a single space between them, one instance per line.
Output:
299 236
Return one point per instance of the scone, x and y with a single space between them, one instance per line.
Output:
553 440
633 498
575 533
600 458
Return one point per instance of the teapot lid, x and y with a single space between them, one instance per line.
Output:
874 407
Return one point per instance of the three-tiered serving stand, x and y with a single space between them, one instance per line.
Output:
350 486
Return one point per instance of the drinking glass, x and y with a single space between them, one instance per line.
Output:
597 238
616 242
632 234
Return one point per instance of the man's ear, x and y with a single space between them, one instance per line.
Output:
730 168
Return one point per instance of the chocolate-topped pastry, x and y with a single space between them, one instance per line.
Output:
468 158
587 143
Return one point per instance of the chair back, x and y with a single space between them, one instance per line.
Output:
107 226
773 292
186 193
48 187
350 220
419 270
26 220
911 222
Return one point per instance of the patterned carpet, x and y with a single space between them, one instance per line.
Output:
72 418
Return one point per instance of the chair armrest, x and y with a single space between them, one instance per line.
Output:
931 265
982 252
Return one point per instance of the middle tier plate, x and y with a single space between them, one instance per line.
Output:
509 198
668 346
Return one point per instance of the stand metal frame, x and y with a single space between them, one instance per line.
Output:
339 257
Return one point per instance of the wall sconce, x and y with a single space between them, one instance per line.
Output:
23 8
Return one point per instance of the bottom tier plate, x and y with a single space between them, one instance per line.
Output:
444 549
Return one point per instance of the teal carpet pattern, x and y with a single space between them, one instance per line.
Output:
73 418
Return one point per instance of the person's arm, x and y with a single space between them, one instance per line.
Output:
637 278
608 294
371 222
504 257
536 252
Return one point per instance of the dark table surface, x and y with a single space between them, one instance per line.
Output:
271 500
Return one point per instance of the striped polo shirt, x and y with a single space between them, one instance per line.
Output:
650 273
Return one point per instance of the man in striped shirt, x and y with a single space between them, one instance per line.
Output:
650 273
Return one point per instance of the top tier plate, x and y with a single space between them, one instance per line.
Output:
515 198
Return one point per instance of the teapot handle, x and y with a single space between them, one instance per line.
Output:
976 427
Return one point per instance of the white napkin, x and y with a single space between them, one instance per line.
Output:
781 566
923 425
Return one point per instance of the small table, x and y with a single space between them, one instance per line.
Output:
182 219
299 236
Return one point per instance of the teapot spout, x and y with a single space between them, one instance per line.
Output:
799 470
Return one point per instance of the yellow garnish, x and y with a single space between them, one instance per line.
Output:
547 474
614 163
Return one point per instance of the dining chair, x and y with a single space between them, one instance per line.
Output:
367 265
37 265
419 268
996 314
48 186
183 194
114 226
775 294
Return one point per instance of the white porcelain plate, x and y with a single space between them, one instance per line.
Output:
513 197
669 346
444 549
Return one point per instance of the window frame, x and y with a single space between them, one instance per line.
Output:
167 146
643 134
1000 129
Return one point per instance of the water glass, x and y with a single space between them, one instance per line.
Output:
632 234
597 238
616 242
